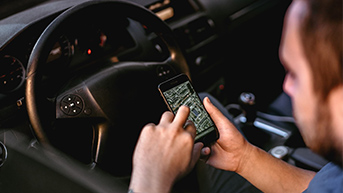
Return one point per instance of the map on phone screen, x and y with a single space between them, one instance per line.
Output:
184 94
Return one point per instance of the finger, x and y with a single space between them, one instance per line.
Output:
181 116
190 128
214 113
166 118
148 128
196 153
147 131
198 148
205 153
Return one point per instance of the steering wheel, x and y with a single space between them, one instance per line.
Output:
116 100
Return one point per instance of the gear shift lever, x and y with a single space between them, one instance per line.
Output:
247 102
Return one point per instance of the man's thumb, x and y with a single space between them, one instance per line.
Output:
215 114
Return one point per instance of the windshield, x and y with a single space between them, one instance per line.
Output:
10 7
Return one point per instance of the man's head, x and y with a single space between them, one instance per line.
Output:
311 51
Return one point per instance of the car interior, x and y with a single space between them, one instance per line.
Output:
78 82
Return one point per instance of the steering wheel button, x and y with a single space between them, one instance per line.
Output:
87 111
71 105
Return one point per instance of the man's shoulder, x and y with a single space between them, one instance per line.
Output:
328 179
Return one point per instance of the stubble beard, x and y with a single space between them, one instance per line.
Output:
324 142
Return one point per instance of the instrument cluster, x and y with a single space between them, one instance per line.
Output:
73 48
12 74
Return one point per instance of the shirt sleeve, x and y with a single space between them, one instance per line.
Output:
328 179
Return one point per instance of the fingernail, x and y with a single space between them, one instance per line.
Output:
184 106
189 122
205 151
208 100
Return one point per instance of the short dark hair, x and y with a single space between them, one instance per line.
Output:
321 34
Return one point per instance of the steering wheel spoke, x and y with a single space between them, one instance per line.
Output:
99 141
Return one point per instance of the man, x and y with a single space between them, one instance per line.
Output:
311 51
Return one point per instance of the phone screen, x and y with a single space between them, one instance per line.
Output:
184 94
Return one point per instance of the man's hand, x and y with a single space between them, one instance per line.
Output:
232 152
164 152
231 147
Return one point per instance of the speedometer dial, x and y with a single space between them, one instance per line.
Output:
61 51
12 74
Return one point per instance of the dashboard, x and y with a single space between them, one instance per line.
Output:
199 26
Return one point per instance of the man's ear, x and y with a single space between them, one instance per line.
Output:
336 108
339 97
339 91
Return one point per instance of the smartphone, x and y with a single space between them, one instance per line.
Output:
179 91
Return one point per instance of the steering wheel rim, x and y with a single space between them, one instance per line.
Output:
45 42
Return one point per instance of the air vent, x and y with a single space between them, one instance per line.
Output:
195 32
